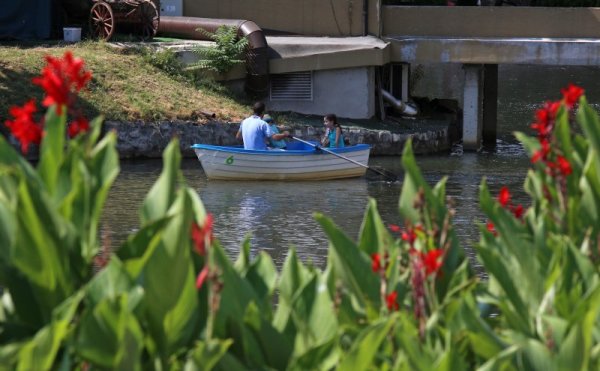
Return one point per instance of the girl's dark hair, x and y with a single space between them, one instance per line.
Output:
333 118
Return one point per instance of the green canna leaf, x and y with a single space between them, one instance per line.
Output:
351 265
52 148
363 354
206 354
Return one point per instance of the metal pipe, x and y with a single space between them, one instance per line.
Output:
399 105
365 17
257 56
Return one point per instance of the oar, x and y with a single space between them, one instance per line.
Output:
316 146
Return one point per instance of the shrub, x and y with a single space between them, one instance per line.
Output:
228 51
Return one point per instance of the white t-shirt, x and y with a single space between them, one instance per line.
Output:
254 131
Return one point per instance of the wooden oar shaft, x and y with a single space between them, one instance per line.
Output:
316 146
330 152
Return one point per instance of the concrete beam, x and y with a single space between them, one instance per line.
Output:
472 108
546 51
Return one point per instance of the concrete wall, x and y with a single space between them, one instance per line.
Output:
307 17
436 80
488 21
318 17
345 92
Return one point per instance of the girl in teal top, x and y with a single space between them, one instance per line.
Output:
333 133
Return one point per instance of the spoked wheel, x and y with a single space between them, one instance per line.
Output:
102 21
149 19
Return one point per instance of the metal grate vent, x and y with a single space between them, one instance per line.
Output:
292 86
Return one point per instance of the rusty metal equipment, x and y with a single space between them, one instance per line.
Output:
139 17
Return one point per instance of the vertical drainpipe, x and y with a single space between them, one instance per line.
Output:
257 56
379 18
365 17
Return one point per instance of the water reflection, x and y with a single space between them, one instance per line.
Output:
277 215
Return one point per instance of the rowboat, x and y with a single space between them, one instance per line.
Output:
300 161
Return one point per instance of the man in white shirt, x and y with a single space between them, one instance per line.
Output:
256 132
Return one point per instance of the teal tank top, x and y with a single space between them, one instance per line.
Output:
332 139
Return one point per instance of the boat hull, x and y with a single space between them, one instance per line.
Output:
232 163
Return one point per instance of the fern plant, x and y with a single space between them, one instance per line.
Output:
225 54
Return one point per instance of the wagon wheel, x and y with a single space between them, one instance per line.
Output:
149 19
102 21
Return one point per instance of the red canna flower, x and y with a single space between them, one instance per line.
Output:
518 211
375 262
490 227
410 235
23 127
395 228
201 277
504 196
391 302
81 125
61 78
542 153
202 236
432 261
563 165
571 95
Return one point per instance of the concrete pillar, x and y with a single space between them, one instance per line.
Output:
472 107
490 104
405 78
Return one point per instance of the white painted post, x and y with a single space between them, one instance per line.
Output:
472 108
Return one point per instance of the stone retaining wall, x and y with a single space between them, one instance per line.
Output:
147 140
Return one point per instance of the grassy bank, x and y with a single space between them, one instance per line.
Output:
125 85
133 85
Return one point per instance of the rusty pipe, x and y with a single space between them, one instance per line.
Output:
257 56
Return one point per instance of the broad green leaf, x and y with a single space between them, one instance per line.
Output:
235 296
38 252
274 346
590 188
262 275
588 119
243 261
206 354
323 357
373 235
110 283
351 265
363 354
294 276
162 194
11 159
109 335
139 247
169 280
41 351
575 350
313 318
498 271
537 356
52 147
503 361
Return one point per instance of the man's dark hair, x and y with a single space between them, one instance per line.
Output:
258 108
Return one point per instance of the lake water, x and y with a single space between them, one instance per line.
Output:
277 215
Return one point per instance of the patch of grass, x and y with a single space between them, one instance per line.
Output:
125 86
